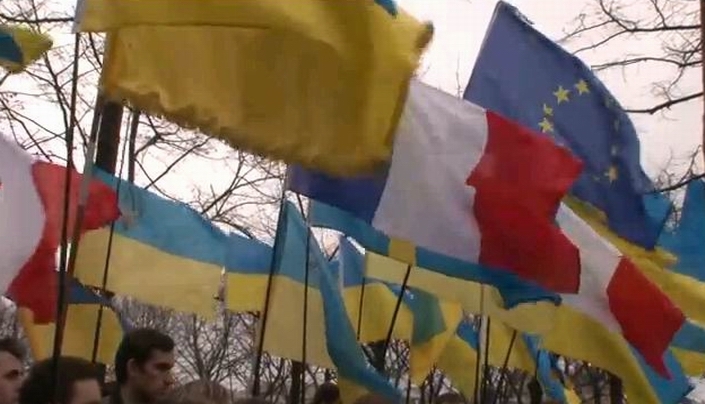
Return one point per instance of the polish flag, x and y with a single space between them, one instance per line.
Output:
31 218
466 183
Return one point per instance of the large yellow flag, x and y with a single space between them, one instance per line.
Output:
315 82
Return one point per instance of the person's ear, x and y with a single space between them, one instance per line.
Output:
132 367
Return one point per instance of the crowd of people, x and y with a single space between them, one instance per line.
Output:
144 364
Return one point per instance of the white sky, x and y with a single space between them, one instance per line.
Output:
460 27
459 30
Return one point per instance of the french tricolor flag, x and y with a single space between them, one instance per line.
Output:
31 220
472 185
616 294
467 183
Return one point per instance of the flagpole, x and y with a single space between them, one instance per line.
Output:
261 319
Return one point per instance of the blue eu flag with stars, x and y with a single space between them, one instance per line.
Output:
526 77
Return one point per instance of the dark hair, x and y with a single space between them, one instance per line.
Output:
369 398
450 398
139 344
13 347
326 393
251 400
38 388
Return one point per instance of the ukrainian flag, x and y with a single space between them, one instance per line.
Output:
355 375
375 313
689 348
685 241
459 360
544 369
423 319
506 296
82 314
161 252
314 82
20 47
578 336
248 267
435 323
284 327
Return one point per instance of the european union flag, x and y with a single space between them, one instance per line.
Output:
526 77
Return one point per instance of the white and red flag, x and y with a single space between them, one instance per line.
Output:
31 219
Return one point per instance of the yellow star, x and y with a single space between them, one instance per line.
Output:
582 87
561 94
612 174
546 125
548 111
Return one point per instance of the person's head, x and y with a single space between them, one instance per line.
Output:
327 393
251 400
78 383
143 363
372 398
11 370
450 398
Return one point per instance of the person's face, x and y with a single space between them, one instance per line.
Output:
86 392
153 379
11 374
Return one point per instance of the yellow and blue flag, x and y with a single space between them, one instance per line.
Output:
283 331
372 316
20 47
317 83
691 338
576 335
435 323
513 289
161 252
685 241
545 370
81 327
523 75
345 352
459 360
248 267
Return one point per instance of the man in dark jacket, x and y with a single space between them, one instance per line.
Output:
143 365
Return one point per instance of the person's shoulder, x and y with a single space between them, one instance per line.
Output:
111 395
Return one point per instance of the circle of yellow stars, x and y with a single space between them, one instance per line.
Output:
564 95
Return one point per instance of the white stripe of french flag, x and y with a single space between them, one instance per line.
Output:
616 294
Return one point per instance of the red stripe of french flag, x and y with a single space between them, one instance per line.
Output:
617 295
647 316
519 182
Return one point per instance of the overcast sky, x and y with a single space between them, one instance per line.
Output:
459 29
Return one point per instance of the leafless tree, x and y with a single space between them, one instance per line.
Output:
674 24
35 109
